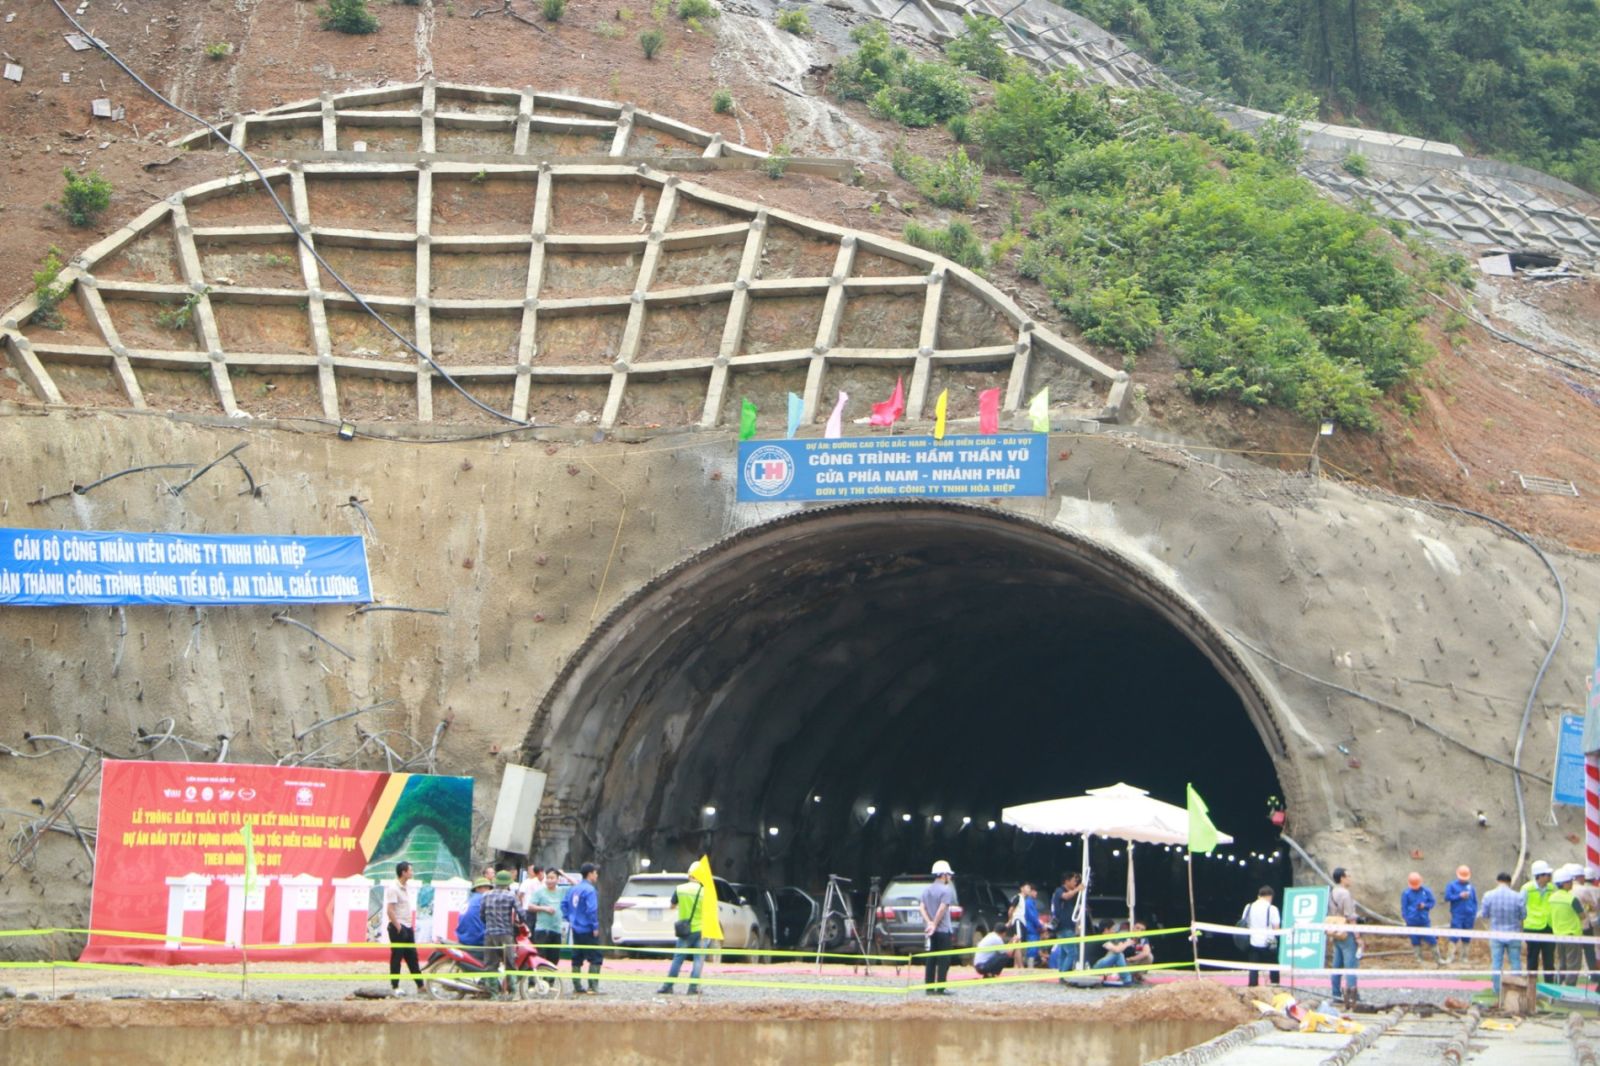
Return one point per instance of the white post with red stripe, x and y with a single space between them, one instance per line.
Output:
1591 809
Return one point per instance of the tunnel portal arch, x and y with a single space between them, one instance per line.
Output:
882 655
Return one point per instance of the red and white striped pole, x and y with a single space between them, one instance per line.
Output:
1591 809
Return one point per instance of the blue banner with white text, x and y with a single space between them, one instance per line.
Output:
49 568
872 468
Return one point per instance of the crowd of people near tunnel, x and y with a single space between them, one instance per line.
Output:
1555 901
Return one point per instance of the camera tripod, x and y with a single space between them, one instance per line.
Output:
836 905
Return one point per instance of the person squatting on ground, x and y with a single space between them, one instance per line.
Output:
1566 919
1536 903
1504 908
500 918
1416 909
1062 902
1346 945
937 901
689 932
469 930
400 912
1462 899
583 908
1116 957
544 906
991 957
1260 918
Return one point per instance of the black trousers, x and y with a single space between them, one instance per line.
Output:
936 969
1541 955
548 941
402 950
1267 955
585 948
993 967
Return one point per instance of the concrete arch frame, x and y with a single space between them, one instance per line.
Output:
613 736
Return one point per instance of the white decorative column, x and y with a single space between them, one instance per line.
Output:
449 904
186 909
247 916
299 900
351 905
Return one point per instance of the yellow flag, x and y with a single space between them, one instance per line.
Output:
711 924
1039 411
938 414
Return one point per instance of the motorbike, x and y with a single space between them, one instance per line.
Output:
473 978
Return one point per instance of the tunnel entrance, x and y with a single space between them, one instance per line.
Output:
860 690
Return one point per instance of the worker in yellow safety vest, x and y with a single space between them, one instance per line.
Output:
1566 919
1536 894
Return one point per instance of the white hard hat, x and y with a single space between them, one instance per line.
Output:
694 867
1540 868
1592 873
941 867
1565 875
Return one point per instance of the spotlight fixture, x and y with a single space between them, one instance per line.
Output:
347 431
905 817
709 811
966 819
772 830
991 823
871 810
1116 853
938 819
816 799
644 864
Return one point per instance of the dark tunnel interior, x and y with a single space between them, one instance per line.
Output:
864 694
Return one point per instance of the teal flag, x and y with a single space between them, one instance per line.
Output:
796 408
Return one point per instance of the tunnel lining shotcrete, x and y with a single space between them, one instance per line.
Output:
631 761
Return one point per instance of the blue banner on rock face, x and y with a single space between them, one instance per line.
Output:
1567 787
48 568
890 468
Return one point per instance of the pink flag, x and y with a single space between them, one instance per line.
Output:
885 413
836 420
989 411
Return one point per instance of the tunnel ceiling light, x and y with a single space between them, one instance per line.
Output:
644 864
709 811
1116 853
966 819
772 830
871 810
991 823
938 819
905 817
816 799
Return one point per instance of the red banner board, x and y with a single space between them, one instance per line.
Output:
170 858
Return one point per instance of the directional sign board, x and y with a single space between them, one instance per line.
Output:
1303 948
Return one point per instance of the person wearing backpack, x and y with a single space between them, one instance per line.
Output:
691 920
1261 917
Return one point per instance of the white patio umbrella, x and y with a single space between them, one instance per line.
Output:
1120 812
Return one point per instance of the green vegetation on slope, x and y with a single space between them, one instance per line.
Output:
1517 79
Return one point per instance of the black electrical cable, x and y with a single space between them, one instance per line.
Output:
303 238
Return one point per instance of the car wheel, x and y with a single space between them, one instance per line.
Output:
761 943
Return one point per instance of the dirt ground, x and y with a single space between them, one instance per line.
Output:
1481 412
1190 1000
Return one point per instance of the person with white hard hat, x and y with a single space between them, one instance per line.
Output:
1536 897
1588 894
1566 919
938 902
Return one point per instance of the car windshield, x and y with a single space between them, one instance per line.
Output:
651 889
903 892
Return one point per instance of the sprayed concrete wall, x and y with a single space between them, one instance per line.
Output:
1440 620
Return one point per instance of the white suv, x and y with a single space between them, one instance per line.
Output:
648 906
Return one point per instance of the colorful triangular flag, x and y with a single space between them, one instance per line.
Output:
712 927
835 427
747 420
796 409
1039 411
989 411
890 410
939 414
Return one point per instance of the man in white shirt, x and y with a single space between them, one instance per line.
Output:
991 957
1260 918
400 912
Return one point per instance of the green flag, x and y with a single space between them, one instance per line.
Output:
1202 834
1039 411
249 861
747 420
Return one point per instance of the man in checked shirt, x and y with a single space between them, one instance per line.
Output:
500 918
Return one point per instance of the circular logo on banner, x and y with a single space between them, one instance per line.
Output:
769 470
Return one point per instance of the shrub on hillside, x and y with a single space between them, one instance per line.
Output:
85 197
347 16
